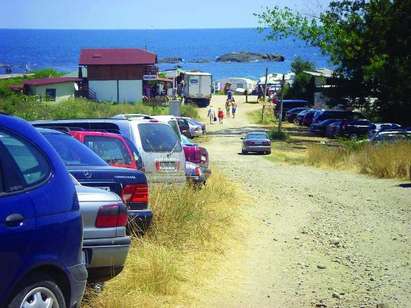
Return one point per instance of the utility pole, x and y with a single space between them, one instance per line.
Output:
265 94
280 117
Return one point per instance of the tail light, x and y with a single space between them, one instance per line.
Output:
158 166
193 154
197 171
135 193
111 216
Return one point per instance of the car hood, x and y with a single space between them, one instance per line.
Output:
89 194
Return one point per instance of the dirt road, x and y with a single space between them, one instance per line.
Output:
314 238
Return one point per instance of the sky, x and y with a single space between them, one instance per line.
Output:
139 14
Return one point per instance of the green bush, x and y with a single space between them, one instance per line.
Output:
188 110
30 109
278 135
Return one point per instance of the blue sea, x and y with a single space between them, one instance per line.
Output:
60 49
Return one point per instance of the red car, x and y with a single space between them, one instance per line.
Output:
113 148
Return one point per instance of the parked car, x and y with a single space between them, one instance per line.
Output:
391 136
291 114
196 123
354 128
300 116
197 155
378 127
105 241
157 142
336 114
320 127
258 142
190 128
332 130
42 263
114 149
289 104
90 170
308 117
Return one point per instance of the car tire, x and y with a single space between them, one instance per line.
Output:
38 287
244 152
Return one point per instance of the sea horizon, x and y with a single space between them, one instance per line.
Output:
60 48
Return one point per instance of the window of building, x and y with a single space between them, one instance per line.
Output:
51 94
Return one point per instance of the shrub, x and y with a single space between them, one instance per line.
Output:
189 110
188 225
389 160
278 135
28 108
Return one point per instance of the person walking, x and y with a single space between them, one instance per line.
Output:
227 108
220 116
229 94
211 114
233 108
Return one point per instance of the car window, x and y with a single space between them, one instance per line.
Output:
112 150
174 125
158 138
72 152
30 162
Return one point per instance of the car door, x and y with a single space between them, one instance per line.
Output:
17 215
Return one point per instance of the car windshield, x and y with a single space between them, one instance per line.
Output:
257 136
158 138
72 152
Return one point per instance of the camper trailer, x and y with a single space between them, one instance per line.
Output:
197 88
238 84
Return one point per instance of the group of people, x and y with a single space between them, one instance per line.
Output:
230 108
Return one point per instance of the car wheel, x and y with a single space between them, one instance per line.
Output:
39 291
354 136
244 152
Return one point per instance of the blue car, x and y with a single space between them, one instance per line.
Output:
42 263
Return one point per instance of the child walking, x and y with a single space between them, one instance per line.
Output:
220 115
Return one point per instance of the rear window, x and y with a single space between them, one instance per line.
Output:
257 136
112 150
174 125
158 138
72 152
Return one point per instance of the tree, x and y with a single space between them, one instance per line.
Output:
368 41
303 84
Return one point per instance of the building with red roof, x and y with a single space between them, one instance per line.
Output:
116 74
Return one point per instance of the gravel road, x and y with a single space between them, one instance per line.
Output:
314 237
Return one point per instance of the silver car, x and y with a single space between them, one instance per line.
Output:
258 142
105 241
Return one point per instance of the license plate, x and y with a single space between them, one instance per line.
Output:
167 166
106 188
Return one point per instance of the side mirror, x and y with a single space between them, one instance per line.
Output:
242 138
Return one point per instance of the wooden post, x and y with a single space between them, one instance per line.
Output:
264 94
280 118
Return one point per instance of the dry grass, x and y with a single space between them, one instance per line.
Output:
187 233
389 160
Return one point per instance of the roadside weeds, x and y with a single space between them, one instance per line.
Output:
189 232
